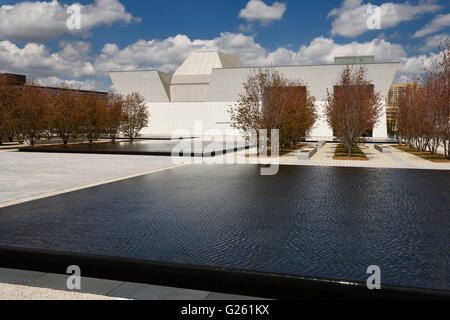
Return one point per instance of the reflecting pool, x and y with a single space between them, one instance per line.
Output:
312 221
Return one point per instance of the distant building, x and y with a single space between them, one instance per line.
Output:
392 99
20 80
354 60
13 79
207 84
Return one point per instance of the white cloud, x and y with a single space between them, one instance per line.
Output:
350 20
74 61
438 23
433 42
259 11
168 54
36 59
246 28
413 66
44 20
74 50
88 84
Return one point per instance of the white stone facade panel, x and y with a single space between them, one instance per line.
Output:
226 84
168 118
153 85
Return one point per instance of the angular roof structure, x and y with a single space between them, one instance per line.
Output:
191 80
211 76
198 67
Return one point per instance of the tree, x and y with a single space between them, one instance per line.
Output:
424 107
135 115
93 114
298 113
443 97
353 108
248 115
406 118
33 102
65 114
8 110
270 101
114 116
391 128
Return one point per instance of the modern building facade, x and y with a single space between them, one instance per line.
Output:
392 99
207 84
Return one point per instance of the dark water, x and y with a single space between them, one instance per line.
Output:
313 221
149 147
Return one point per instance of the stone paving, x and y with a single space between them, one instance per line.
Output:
18 292
30 285
397 159
30 176
324 157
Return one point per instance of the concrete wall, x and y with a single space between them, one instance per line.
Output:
153 85
321 130
166 118
189 92
226 84
195 118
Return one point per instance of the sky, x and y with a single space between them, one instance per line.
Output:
45 41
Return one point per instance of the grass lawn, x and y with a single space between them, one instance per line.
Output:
356 154
423 154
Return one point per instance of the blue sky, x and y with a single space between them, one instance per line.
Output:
126 35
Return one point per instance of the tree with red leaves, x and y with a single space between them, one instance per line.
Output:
353 108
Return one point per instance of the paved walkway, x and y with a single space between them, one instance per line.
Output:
30 176
30 285
324 157
397 159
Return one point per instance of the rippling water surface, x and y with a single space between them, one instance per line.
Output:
313 221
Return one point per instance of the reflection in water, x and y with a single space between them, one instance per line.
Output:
186 146
314 221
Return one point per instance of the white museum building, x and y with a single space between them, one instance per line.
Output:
207 84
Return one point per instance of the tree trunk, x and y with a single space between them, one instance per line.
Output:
447 149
